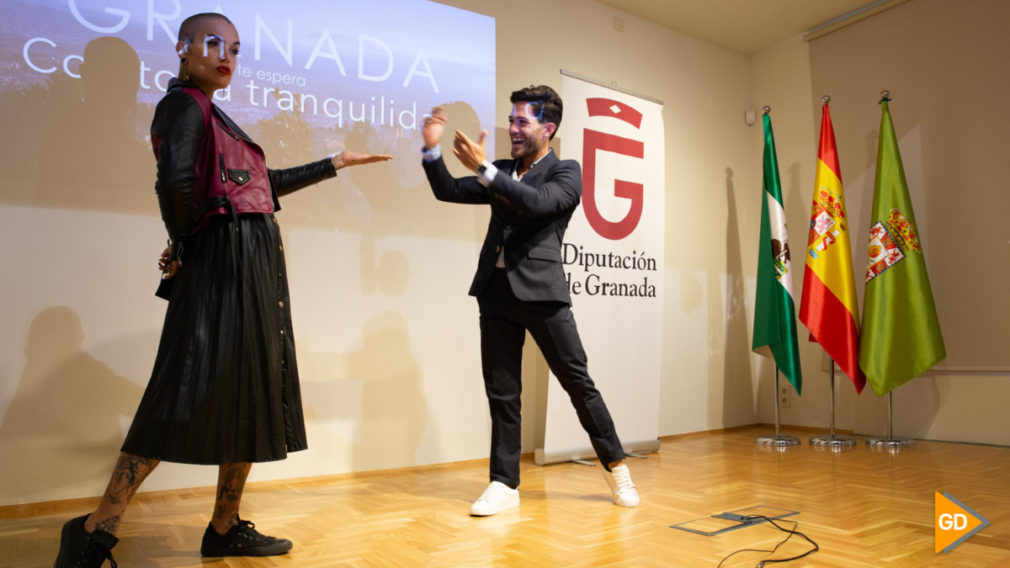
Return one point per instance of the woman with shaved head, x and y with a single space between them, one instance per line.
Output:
224 390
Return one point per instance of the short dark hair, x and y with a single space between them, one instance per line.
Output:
186 28
545 102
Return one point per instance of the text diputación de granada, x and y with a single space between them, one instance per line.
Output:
599 276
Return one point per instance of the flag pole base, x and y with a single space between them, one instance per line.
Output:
778 441
833 442
889 443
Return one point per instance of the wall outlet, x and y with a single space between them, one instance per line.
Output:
785 396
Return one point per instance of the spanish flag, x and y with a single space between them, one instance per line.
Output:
828 306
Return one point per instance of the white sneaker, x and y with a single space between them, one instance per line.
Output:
619 480
496 498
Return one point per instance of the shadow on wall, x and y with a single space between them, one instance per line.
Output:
737 397
919 409
79 143
65 411
394 412
382 199
377 387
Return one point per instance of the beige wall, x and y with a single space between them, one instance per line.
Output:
932 55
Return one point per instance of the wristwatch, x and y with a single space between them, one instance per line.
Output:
482 167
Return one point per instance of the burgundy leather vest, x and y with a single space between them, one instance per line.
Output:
232 173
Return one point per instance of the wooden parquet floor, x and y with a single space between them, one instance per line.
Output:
863 507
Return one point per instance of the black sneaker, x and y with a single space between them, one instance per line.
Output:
79 549
242 540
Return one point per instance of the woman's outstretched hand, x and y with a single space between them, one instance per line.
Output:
348 158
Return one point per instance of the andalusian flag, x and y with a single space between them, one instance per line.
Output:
774 311
828 306
901 334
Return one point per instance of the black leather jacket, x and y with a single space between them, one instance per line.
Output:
178 129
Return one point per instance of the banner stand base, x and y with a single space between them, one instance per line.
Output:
583 455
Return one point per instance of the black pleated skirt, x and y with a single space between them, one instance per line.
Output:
225 383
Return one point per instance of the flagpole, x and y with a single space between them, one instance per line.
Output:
778 422
935 352
831 440
890 443
776 334
778 440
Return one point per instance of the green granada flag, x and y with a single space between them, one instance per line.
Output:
901 335
774 311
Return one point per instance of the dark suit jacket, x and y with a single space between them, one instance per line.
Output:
528 218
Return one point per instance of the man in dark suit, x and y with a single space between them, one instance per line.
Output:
520 283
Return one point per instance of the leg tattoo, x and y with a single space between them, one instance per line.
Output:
129 472
230 484
110 525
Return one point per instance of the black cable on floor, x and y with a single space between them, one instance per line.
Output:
792 532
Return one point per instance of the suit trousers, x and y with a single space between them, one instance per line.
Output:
504 320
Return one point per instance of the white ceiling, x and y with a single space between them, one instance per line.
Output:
743 26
